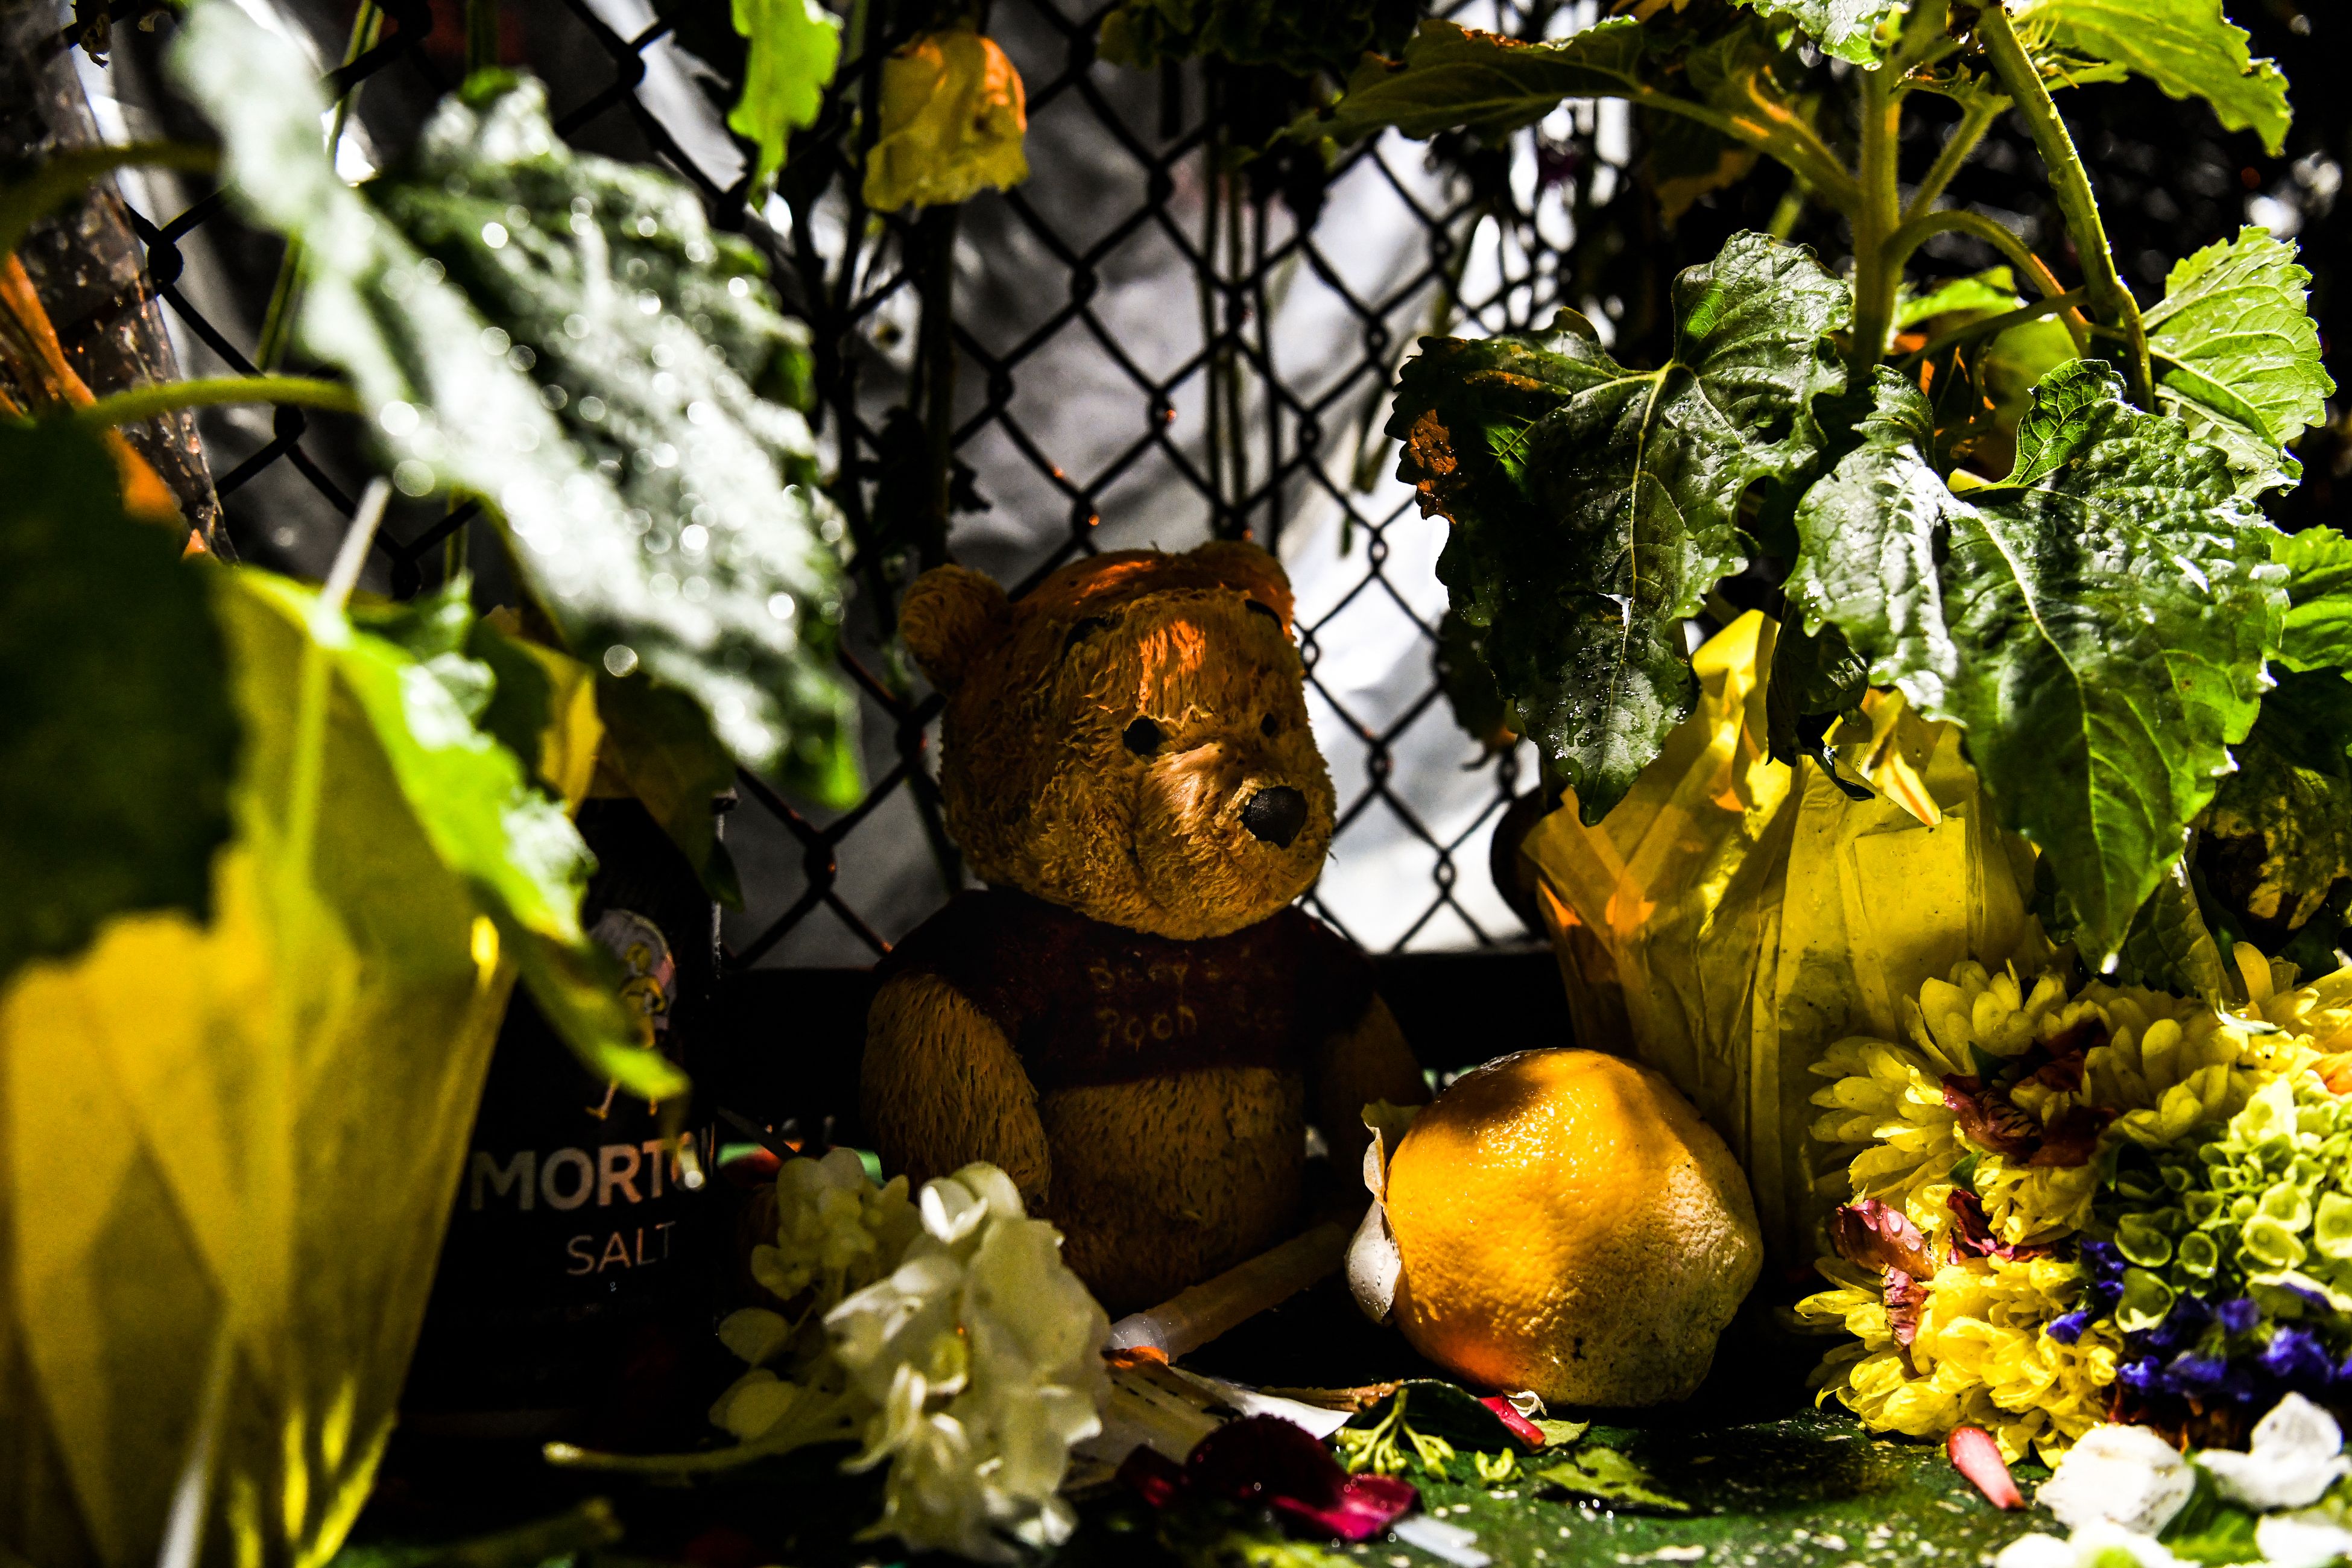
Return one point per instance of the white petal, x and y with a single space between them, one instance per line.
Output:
2126 1476
2302 1540
1374 1265
2036 1551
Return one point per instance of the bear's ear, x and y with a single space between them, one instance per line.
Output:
1239 564
948 616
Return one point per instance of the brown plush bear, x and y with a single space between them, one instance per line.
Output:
1132 1019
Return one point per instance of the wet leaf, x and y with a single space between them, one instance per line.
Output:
1593 506
564 337
1610 1476
658 749
2097 622
2238 353
1846 29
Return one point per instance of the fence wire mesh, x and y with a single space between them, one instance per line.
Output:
1151 340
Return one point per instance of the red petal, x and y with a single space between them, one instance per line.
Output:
1525 1430
1152 1476
1975 1456
1367 1505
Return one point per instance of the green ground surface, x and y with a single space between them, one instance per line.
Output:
1772 1483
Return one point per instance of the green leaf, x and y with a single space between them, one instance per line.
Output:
657 747
116 738
2282 822
1469 686
1594 506
1814 678
795 46
2188 47
513 847
1454 76
1988 293
1611 1478
580 352
1847 29
2318 630
2097 622
2169 947
2239 353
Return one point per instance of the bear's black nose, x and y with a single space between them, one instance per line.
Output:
1275 814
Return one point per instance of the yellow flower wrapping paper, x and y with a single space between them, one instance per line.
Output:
1732 917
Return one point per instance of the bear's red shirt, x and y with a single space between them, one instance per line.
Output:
1087 1002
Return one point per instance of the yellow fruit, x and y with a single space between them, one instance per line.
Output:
1567 1223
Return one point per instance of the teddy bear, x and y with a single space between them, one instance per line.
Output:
1131 1018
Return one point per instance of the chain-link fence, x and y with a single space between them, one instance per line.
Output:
1153 339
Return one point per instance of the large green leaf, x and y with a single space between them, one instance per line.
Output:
795 46
2188 47
117 738
2098 622
2318 630
1594 506
580 352
1845 29
1457 78
472 799
2239 353
1454 76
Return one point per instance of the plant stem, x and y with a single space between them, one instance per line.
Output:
1974 123
2072 187
1877 270
1776 133
1910 235
145 402
24 203
1985 326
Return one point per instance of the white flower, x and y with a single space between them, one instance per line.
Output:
2309 1539
2100 1543
2126 1476
836 1231
981 1354
2298 1454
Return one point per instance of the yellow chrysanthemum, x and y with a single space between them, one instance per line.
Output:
1977 1010
1980 1358
1888 1103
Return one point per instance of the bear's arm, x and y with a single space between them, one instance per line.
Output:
942 1087
1353 1067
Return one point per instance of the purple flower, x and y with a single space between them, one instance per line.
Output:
2068 1327
2239 1316
2297 1359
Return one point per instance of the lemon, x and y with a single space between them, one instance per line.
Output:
1565 1223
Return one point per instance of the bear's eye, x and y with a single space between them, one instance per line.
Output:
1268 725
1142 737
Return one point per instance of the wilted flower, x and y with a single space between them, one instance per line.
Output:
2124 1476
953 116
2298 1454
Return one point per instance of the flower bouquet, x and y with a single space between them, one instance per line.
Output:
2070 1205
